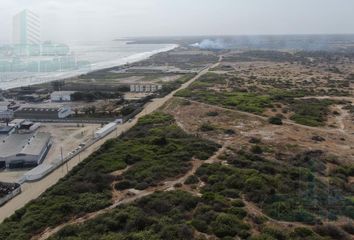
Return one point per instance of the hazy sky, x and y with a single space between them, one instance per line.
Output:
70 20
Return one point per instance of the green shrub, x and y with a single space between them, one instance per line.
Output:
275 121
192 180
206 127
212 114
256 149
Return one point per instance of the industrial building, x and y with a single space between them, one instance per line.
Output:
61 96
145 88
24 150
43 113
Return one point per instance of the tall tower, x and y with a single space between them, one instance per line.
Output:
26 28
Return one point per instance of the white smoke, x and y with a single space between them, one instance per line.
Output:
217 44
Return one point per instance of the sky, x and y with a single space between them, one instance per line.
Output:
81 20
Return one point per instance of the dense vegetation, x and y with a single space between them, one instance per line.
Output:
156 148
172 215
173 85
201 91
311 112
94 95
177 215
294 191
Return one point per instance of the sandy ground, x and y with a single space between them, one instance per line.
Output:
135 96
33 190
290 136
68 137
11 176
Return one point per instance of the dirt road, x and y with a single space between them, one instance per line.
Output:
35 189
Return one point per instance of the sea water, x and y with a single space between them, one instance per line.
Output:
99 55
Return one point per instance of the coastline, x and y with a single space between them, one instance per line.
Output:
28 81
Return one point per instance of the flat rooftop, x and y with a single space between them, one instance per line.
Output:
28 144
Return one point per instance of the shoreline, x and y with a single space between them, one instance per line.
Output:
93 68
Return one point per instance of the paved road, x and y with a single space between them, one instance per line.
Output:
34 190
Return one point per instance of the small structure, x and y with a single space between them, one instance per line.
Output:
27 127
145 88
5 112
24 150
107 129
16 123
44 113
61 96
8 191
4 106
6 130
119 121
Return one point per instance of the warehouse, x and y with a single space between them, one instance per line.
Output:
24 150
44 113
61 96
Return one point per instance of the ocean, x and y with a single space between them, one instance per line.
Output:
100 55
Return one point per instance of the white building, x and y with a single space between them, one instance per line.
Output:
61 96
110 127
64 112
24 150
145 88
26 28
33 113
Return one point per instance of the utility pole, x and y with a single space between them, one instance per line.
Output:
62 159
